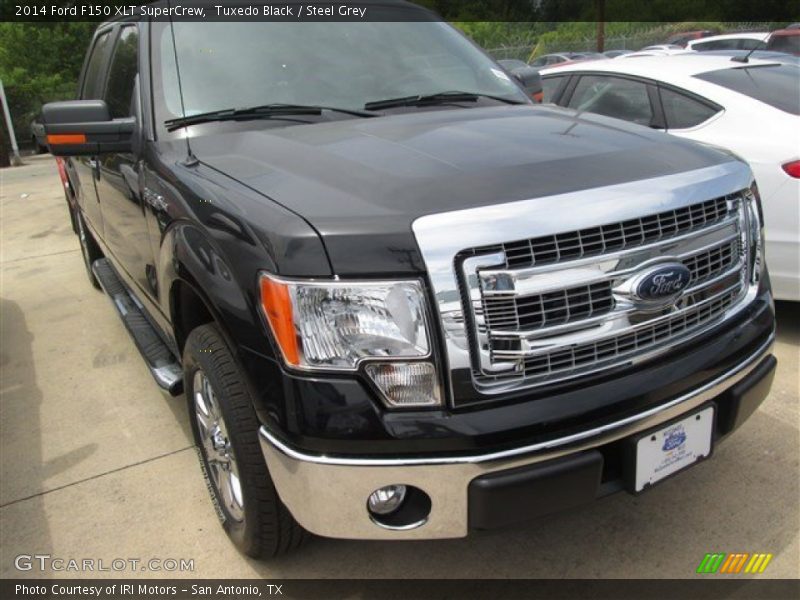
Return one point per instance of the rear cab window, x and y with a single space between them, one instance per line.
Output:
775 85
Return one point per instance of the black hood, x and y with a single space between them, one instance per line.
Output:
362 182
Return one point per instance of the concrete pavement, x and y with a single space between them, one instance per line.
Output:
95 462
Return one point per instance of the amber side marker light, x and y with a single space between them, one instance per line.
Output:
277 307
66 138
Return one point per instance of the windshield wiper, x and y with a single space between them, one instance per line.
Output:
267 111
432 99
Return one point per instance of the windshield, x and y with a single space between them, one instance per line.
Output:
346 65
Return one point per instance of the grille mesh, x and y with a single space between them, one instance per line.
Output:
596 353
614 237
713 262
586 301
546 310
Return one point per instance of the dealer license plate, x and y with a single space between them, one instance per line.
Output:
677 446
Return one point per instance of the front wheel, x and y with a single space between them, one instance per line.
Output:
225 429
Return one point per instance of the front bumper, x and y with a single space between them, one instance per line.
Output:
328 494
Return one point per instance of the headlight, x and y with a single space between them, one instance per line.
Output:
335 325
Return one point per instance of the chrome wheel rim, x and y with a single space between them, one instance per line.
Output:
215 441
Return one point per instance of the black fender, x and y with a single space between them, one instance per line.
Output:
216 237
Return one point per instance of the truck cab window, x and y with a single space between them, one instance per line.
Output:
124 67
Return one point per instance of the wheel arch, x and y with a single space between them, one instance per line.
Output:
202 286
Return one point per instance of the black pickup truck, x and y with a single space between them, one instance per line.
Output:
402 300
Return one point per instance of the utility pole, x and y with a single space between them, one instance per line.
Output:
16 161
601 25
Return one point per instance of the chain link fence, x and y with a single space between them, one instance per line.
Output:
589 44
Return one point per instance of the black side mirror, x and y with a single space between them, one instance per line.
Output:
85 128
531 80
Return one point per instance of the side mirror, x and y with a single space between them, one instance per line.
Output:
85 128
531 80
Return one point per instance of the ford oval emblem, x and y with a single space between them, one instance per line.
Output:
674 438
662 282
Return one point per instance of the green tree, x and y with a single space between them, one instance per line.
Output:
39 63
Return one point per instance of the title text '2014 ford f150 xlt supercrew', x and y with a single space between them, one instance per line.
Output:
402 300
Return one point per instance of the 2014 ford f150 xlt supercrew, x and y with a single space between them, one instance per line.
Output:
402 300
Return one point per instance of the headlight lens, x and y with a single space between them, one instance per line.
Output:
335 325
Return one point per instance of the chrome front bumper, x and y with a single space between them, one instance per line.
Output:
328 495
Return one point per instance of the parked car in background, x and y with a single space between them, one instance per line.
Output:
653 51
666 47
591 56
731 41
38 137
781 57
512 63
752 109
681 39
549 60
616 53
785 40
528 76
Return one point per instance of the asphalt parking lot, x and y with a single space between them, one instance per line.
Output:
95 462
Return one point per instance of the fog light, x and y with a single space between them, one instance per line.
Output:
386 500
406 384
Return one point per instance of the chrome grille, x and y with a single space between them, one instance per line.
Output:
554 307
558 279
641 339
711 263
582 302
615 236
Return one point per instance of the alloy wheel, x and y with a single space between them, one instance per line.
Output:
216 446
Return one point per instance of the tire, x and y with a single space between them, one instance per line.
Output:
225 429
89 248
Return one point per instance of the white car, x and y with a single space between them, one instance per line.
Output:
661 47
752 109
641 53
730 41
657 50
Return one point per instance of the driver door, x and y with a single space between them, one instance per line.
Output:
119 173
